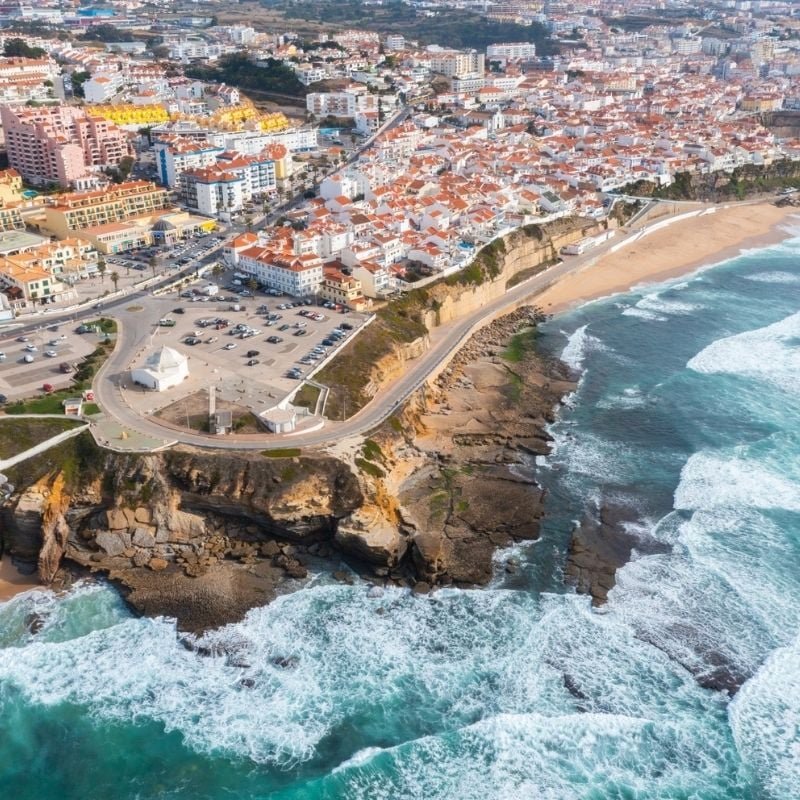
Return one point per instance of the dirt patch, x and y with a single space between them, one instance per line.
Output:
192 412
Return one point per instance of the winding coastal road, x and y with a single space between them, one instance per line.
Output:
444 342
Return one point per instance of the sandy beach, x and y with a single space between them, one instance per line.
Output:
13 582
671 251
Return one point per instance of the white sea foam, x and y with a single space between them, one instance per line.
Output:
643 313
632 397
775 276
765 720
657 304
770 354
575 349
752 554
712 480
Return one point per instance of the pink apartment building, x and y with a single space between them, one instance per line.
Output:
61 144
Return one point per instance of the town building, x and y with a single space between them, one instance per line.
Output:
510 51
78 210
62 145
290 274
163 369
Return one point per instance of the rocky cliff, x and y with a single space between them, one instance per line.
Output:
451 478
203 536
400 330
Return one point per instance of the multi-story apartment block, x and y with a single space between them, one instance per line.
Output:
348 103
223 189
78 210
394 41
60 145
24 79
102 87
457 63
295 140
510 51
294 275
176 155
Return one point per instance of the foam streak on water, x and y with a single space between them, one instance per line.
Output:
686 417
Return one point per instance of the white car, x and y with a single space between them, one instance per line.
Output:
230 345
2 356
27 358
50 353
31 348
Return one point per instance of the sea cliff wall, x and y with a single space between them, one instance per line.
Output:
401 330
203 536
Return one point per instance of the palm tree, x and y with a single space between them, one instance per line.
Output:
248 223
217 270
101 268
252 284
114 279
153 261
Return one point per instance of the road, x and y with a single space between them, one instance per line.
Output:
446 340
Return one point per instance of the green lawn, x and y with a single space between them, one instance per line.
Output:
18 435
282 452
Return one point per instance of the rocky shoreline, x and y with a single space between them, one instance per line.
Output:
425 502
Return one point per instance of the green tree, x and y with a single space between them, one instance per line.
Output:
78 79
252 284
19 48
153 261
125 166
101 268
114 279
217 270
106 33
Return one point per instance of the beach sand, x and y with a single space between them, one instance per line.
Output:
13 582
674 250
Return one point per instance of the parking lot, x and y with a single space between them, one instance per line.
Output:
271 341
182 254
254 350
53 345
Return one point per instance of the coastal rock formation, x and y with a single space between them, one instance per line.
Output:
204 536
451 479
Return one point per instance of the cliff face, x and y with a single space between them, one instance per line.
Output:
523 253
205 536
400 331
451 478
200 536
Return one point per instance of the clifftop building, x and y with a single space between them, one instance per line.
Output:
62 145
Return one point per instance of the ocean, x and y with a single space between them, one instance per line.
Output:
687 415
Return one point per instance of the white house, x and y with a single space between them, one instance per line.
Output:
162 370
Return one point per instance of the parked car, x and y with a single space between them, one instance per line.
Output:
252 353
50 353
230 345
252 362
179 310
65 367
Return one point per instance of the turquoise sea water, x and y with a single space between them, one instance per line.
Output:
688 412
